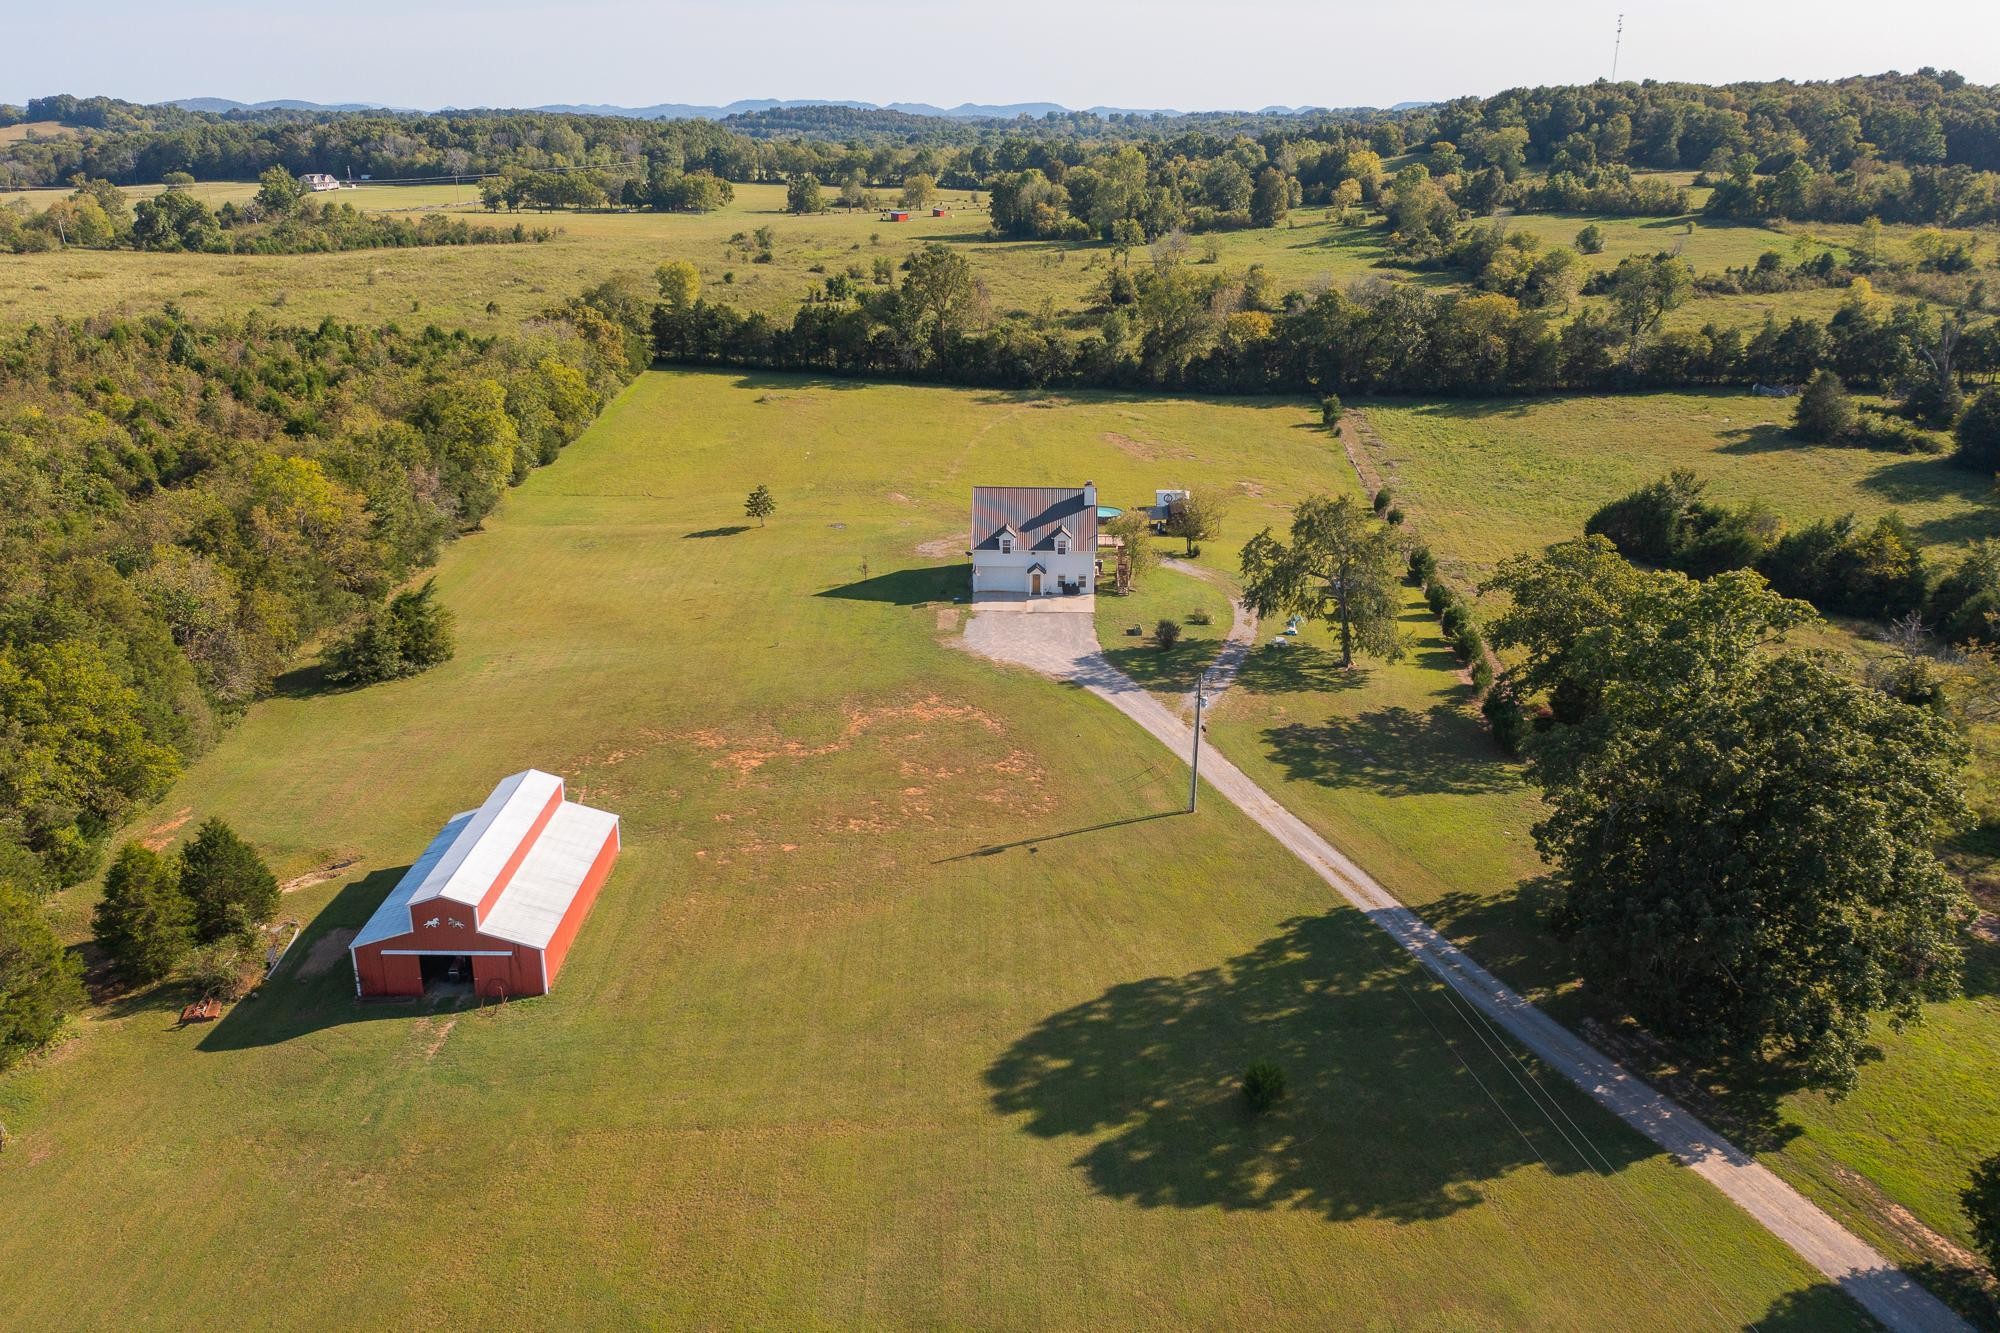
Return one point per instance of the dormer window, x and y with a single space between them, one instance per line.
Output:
1062 546
1006 545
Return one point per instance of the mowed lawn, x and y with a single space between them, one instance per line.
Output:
868 1028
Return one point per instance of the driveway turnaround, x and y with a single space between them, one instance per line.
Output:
1065 647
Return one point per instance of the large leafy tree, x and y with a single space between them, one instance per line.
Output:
143 921
1340 567
1742 833
232 891
40 981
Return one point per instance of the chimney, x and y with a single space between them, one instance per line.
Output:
1090 495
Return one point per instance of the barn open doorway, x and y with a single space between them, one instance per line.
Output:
446 973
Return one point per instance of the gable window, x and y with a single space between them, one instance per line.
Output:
1006 545
1062 546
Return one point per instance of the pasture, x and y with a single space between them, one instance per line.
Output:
497 286
906 1004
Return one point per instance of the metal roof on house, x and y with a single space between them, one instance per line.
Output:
551 843
1035 513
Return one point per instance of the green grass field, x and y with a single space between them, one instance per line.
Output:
872 1025
496 286
1491 478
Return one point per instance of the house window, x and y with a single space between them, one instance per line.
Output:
1006 546
1062 546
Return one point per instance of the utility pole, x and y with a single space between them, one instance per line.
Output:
1194 761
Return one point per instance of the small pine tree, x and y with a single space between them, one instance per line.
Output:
232 890
1166 634
1329 411
1825 412
760 505
144 921
408 635
1263 1086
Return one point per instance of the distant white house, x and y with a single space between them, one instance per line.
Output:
319 180
1038 541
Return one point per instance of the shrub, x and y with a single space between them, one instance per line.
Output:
1329 410
1590 240
1263 1086
1383 499
1200 616
224 969
1505 718
1965 606
1454 617
1978 433
1394 517
1468 643
1895 437
1437 595
410 634
1423 565
1166 634
1482 674
1982 1207
1824 412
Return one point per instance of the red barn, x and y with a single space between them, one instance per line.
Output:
495 901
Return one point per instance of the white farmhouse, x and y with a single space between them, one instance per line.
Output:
1034 541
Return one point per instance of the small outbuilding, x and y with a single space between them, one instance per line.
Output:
897 215
940 212
495 901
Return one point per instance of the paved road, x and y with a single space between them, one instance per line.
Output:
1066 647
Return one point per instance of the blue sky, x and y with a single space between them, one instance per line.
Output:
1174 53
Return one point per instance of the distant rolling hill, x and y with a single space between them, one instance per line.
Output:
754 106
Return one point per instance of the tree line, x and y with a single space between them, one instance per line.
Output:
1179 325
1923 147
283 218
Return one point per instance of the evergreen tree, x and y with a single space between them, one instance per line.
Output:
1825 412
40 981
144 921
760 505
232 891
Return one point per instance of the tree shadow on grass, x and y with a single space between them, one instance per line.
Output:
908 587
1971 1293
729 531
1167 671
1935 479
1763 439
296 999
1300 668
1381 1119
1394 751
1810 1310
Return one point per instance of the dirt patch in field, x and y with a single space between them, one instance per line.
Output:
948 618
746 759
1904 1224
430 1034
897 497
156 838
319 876
943 548
327 950
1140 449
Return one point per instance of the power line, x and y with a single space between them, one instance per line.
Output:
1617 42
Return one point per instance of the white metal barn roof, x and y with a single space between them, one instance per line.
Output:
469 854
